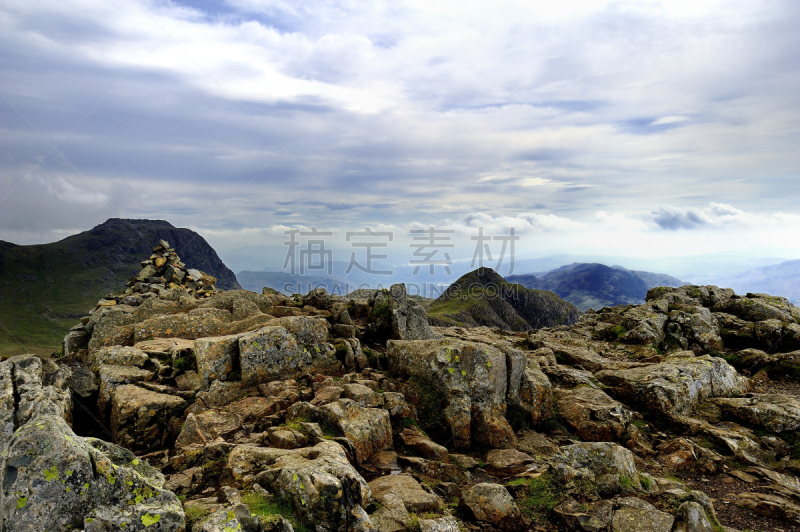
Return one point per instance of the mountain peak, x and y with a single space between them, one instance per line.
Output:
484 297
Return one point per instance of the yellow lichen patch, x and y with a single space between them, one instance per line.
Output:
51 474
150 520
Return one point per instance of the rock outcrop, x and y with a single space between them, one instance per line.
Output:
271 413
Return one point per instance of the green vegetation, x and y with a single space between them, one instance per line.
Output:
543 495
618 331
272 507
195 514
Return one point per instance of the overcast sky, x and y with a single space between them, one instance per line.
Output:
633 128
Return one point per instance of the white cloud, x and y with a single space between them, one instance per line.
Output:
669 120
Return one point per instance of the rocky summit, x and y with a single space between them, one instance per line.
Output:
178 407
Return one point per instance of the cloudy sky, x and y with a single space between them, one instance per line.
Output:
619 128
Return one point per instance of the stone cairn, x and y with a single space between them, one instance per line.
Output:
163 270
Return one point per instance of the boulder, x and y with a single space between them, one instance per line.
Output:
369 429
472 380
593 415
272 353
607 467
325 490
205 427
139 417
676 385
507 462
416 440
84 382
770 505
76 339
636 515
692 517
409 321
217 358
414 498
491 503
117 355
111 377
231 300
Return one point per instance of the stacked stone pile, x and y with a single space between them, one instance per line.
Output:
164 270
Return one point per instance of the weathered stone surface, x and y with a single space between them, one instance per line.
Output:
117 355
308 331
770 505
111 377
493 504
273 353
607 466
231 299
217 358
369 429
593 517
76 339
111 326
529 389
229 519
327 492
636 515
473 379
205 427
773 412
592 414
84 382
414 498
507 462
187 326
676 385
440 524
692 517
55 480
139 416
362 395
414 439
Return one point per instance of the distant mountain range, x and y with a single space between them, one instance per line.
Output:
45 288
585 285
592 285
779 279
483 297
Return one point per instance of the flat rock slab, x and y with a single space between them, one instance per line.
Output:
773 412
676 385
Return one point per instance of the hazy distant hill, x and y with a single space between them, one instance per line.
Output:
483 297
591 285
292 284
779 279
45 288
